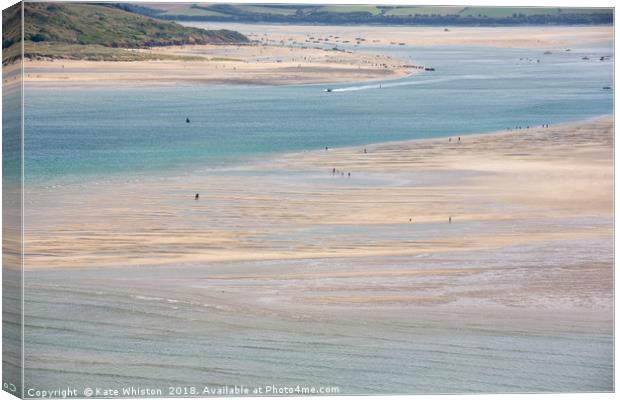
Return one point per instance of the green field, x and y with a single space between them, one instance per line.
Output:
381 14
487 12
505 12
258 9
193 12
374 10
407 11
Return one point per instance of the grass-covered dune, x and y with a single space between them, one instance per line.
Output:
111 27
92 31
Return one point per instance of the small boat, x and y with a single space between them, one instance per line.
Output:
429 69
607 87
585 58
328 90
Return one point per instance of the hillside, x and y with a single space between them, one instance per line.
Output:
11 33
361 14
102 31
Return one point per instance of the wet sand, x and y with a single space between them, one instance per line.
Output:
284 273
215 324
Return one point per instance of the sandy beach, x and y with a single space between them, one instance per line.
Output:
252 64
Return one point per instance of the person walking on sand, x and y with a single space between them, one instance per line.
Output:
197 196
449 140
449 220
349 174
334 171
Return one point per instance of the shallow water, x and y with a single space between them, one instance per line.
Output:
122 332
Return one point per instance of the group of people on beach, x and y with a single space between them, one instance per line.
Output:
341 173
527 127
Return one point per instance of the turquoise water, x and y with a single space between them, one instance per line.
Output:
76 133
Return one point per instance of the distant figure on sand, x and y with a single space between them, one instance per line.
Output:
449 220
326 148
449 140
365 151
459 138
333 171
197 196
349 174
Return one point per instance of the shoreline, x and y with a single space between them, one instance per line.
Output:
269 160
